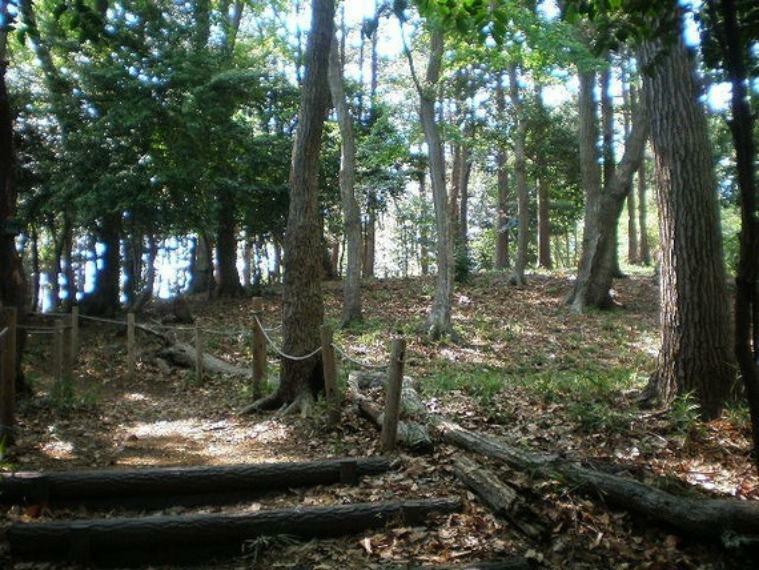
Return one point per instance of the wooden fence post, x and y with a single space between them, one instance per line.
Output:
393 395
198 355
329 367
74 333
131 349
259 351
58 353
8 375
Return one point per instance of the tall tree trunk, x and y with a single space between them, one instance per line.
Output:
424 238
463 221
351 211
228 278
629 98
35 270
149 283
201 266
12 278
104 299
502 214
696 352
520 176
602 209
644 257
736 54
370 237
439 319
607 130
247 260
302 303
544 225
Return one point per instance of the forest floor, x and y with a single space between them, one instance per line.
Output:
527 368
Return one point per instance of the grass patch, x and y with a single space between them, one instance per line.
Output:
481 383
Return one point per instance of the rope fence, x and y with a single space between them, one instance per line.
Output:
66 349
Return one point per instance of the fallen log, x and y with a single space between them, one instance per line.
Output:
511 563
184 355
170 539
411 403
728 520
411 435
500 497
172 486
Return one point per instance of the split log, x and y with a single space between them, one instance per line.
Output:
714 519
411 435
171 539
411 403
500 497
179 485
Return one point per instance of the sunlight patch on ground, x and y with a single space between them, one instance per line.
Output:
58 449
135 397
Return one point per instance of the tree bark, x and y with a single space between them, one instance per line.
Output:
696 352
424 238
502 207
12 278
201 268
302 303
228 278
544 225
644 256
351 211
629 98
520 176
602 209
438 322
607 130
104 299
736 54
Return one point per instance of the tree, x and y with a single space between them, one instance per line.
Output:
439 319
12 277
602 208
732 48
351 211
502 202
302 303
520 178
696 344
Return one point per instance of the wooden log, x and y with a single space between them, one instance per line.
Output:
131 349
329 368
186 356
410 435
714 519
163 539
411 404
137 487
8 375
393 396
500 497
510 563
259 351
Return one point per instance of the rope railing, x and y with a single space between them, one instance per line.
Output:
279 351
2 332
345 356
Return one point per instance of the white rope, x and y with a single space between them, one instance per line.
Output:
282 354
102 320
39 331
2 332
38 328
347 357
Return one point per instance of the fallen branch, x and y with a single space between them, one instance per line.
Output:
720 519
179 485
165 539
